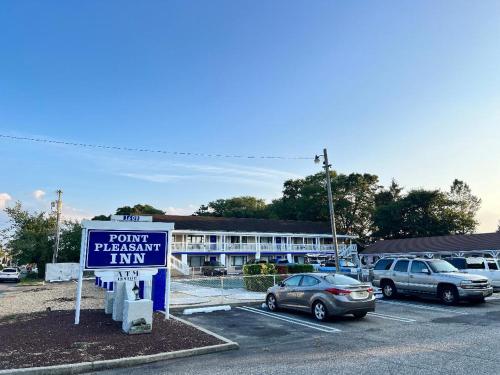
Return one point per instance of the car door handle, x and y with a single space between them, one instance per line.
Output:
411 276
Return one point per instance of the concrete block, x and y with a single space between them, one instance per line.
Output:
109 297
137 316
118 301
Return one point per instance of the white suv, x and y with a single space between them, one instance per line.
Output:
10 274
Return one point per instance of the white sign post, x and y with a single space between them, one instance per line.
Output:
125 252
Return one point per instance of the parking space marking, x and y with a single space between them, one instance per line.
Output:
425 307
290 320
391 317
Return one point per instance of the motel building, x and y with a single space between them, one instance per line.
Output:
235 241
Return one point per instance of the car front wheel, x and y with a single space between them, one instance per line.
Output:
319 311
389 290
271 302
449 295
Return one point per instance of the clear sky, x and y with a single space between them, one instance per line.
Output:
409 90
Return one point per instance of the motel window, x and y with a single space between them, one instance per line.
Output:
195 239
238 260
196 261
266 239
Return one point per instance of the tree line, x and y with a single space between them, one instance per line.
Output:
362 207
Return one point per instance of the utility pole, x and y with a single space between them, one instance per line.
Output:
330 204
58 204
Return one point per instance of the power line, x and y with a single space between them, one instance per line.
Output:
132 149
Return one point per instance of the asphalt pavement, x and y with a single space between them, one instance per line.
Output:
408 336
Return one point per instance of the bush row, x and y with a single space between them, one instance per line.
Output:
269 274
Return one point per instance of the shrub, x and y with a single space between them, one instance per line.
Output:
256 276
259 269
32 276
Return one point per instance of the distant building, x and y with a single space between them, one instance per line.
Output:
234 241
484 244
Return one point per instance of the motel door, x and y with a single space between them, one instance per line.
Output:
278 243
213 242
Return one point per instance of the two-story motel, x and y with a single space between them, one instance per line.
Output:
234 241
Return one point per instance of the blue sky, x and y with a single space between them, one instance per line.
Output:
409 90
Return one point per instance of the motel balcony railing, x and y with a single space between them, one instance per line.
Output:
344 249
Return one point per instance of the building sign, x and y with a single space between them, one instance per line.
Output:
136 218
127 276
125 249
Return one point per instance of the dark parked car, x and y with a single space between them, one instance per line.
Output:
213 269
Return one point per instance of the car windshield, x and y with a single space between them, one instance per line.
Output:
440 266
9 270
341 280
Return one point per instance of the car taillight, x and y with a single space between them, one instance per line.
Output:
369 290
338 292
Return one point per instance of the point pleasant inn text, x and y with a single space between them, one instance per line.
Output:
122 249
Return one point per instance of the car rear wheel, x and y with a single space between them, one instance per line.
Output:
359 315
319 311
389 289
271 302
449 295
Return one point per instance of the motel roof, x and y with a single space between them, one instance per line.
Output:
229 224
452 243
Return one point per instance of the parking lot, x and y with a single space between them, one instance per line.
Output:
411 335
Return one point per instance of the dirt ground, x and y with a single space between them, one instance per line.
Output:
51 338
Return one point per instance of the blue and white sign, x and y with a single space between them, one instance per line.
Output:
132 249
125 249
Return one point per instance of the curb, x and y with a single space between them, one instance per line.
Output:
180 308
77 368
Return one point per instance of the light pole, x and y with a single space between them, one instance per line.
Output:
58 205
327 166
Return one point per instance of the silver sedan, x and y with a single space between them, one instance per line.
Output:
323 295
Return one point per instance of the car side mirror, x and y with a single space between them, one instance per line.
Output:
281 284
426 271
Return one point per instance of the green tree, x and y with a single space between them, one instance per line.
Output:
425 212
102 217
31 236
70 241
235 207
463 207
139 209
353 197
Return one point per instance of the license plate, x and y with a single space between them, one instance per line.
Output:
359 295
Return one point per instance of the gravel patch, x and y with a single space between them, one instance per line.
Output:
54 296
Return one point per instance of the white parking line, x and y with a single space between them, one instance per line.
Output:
391 317
424 307
288 319
492 298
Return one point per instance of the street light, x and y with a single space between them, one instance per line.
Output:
327 166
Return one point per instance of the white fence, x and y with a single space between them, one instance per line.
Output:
192 291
